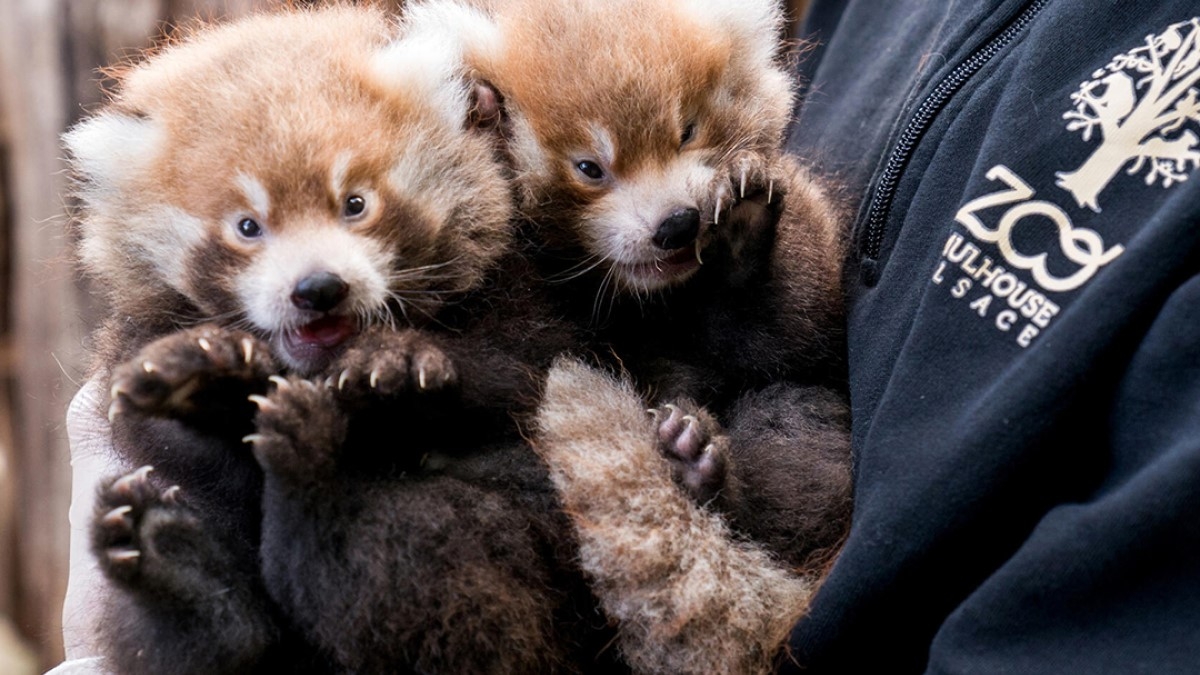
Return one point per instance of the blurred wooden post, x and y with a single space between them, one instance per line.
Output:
34 95
49 50
49 53
8 537
211 9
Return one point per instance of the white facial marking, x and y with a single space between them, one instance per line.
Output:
174 233
411 176
528 153
256 194
621 225
337 178
160 236
265 287
603 144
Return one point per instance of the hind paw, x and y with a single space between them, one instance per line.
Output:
697 450
137 526
299 429
192 373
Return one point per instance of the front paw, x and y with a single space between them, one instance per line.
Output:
749 177
202 372
693 443
300 429
390 363
144 535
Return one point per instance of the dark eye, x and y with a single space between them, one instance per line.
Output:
354 206
590 169
688 132
249 228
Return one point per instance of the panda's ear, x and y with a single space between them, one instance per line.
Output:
111 149
486 106
430 59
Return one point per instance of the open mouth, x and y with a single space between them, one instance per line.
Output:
661 272
314 345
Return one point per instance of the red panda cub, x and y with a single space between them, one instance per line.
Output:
303 235
644 139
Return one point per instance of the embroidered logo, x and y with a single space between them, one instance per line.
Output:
1081 246
1144 108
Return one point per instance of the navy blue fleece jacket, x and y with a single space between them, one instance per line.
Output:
1024 324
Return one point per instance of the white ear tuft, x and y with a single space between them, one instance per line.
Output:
743 16
110 149
431 53
755 24
467 28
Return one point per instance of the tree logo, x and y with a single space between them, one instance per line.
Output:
1144 106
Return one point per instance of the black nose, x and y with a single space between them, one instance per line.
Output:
320 292
678 230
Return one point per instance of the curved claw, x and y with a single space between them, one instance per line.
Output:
124 556
343 379
204 344
262 402
116 516
248 349
690 426
125 483
279 381
252 439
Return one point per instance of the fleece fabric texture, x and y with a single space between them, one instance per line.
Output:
1024 334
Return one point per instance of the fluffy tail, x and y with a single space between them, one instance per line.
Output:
689 596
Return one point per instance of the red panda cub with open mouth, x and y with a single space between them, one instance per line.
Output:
300 210
644 139
296 217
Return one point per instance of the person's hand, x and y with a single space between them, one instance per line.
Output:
92 460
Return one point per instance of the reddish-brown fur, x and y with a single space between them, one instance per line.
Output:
627 78
402 441
754 333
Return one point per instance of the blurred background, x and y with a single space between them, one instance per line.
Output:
50 51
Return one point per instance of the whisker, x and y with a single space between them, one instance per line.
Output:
599 300
421 270
574 272
400 307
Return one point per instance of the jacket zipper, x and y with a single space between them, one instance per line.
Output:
922 119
